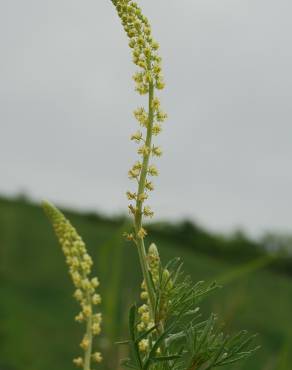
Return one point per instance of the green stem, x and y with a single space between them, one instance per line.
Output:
88 335
87 353
139 202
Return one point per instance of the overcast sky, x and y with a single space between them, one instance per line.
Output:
66 101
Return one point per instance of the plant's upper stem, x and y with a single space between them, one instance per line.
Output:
139 203
88 351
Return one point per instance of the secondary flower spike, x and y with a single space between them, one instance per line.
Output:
79 263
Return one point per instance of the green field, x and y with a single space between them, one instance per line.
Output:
37 331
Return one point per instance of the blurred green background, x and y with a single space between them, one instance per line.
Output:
37 330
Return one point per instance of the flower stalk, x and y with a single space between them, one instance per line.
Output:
139 205
88 350
147 79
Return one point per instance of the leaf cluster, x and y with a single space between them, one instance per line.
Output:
180 339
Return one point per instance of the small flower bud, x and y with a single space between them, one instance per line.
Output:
155 45
96 299
78 294
144 150
80 317
157 151
160 84
147 52
137 136
85 343
131 196
145 317
137 166
156 129
142 64
142 197
132 209
87 310
141 116
138 77
95 282
96 329
132 43
86 284
96 357
147 31
161 116
78 362
141 326
141 41
144 295
129 237
142 89
143 345
150 325
155 104
157 69
143 308
152 170
153 251
148 212
133 174
142 233
97 318
149 186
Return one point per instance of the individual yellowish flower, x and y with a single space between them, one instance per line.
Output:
157 151
133 174
129 236
96 357
149 186
144 150
143 345
144 295
137 136
152 170
147 211
156 129
78 361
131 196
143 196
142 233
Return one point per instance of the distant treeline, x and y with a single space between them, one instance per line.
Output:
236 247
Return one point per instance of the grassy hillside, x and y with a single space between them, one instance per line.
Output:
36 310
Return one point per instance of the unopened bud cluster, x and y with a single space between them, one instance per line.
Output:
79 263
163 284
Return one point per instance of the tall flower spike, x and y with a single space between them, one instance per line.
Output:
147 79
79 263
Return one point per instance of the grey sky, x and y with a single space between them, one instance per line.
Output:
66 101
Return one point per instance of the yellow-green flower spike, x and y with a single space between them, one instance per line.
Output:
80 264
145 56
147 80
